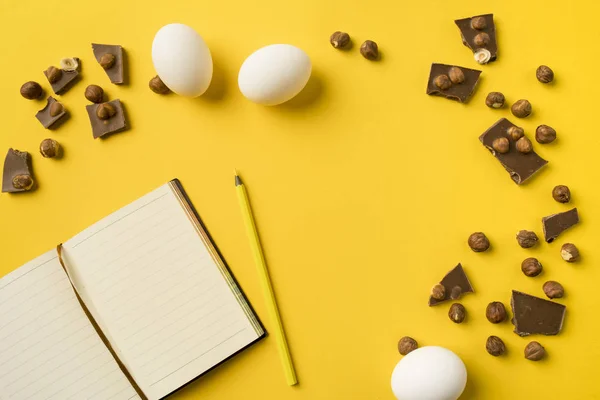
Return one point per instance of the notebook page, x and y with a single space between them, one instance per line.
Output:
48 347
156 288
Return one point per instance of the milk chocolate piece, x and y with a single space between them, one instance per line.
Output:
458 91
116 72
533 315
46 119
455 278
67 79
520 166
556 224
16 163
468 34
114 124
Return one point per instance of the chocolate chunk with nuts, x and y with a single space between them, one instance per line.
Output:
110 57
527 239
106 118
455 278
31 90
544 74
406 345
52 114
534 351
440 82
521 108
545 134
339 40
17 175
478 33
495 312
556 224
533 315
495 346
531 267
569 252
494 100
62 80
457 313
369 50
478 242
553 290
561 193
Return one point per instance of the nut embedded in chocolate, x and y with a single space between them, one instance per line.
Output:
457 313
495 312
49 148
481 39
521 108
406 345
478 23
438 292
531 267
107 61
524 145
53 74
501 145
482 56
561 193
527 239
494 100
455 293
569 252
443 82
544 74
534 351
22 182
369 50
158 86
456 75
515 132
69 64
553 290
94 93
55 109
545 134
339 40
31 90
478 242
495 346
105 111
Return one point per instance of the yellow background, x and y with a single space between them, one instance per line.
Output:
364 188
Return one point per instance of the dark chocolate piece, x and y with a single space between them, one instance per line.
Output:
458 91
114 124
116 72
520 166
454 278
67 79
468 34
533 315
44 114
556 224
16 163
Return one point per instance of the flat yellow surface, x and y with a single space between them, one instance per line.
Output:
364 189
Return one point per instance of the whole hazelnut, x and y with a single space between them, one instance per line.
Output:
553 290
438 292
569 252
31 90
527 239
521 108
339 40
442 82
524 145
534 351
495 312
107 61
49 148
495 346
545 134
53 74
456 75
406 345
94 93
544 74
369 50
515 132
457 313
501 145
561 193
55 109
158 86
531 267
494 100
23 181
478 23
481 39
105 111
455 292
478 242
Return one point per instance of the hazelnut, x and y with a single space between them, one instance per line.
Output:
527 239
481 39
494 100
94 93
495 346
501 145
545 134
107 61
455 292
53 74
69 64
105 111
482 56
534 351
31 90
569 252
478 242
369 50
158 86
531 267
495 312
49 148
438 292
406 345
561 193
553 290
339 40
544 74
55 109
478 23
24 182
456 75
442 82
524 145
515 132
457 313
521 108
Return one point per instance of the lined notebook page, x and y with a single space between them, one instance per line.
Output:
158 293
48 347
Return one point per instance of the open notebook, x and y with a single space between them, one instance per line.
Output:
155 285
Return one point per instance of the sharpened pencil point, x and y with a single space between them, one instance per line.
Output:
238 181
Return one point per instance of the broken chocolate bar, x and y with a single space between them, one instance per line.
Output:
18 174
453 279
556 224
479 34
455 91
103 127
45 115
112 61
66 81
520 166
533 315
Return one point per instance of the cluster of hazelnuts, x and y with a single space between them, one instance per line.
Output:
105 110
342 41
455 76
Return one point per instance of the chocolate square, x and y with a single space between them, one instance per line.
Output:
468 34
114 124
533 315
44 116
519 165
456 277
16 163
116 72
66 81
461 91
556 224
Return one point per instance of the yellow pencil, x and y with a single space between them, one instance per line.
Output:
259 258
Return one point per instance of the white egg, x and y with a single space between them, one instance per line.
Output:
182 60
429 373
274 74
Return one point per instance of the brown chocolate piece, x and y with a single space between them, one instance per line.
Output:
456 277
116 72
556 224
534 315
16 163
468 34
67 79
458 91
44 116
520 166
114 124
